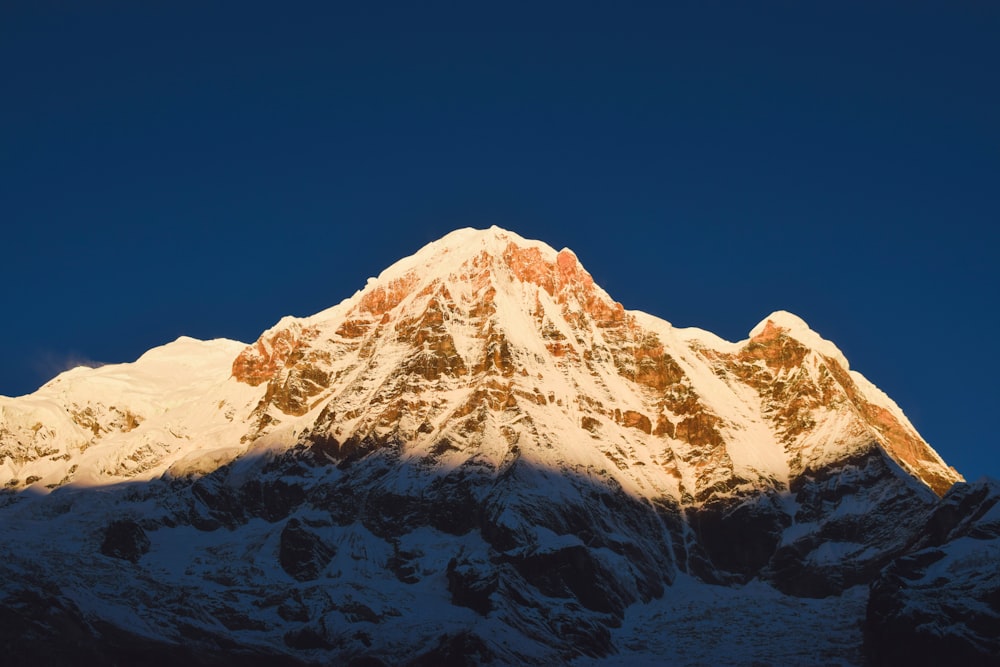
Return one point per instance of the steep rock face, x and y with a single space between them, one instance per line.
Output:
125 539
850 519
941 603
302 553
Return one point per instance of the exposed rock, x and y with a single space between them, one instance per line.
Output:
941 605
125 539
302 553
471 582
573 571
272 499
964 510
462 650
44 627
739 538
916 618
852 517
274 351
306 639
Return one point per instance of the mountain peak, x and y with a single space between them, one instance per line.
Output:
484 327
466 261
782 321
505 348
451 250
480 430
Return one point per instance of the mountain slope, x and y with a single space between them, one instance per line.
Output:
122 421
479 454
486 323
494 326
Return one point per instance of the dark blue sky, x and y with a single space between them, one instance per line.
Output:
203 168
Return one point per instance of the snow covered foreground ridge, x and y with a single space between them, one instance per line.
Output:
491 343
481 457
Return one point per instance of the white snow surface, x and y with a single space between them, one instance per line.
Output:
192 415
799 330
104 425
178 411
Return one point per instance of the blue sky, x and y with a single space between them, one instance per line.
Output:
206 168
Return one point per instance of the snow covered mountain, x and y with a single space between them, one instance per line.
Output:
480 456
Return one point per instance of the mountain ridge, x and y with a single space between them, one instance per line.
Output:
482 429
485 256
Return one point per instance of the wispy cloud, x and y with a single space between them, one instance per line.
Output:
49 364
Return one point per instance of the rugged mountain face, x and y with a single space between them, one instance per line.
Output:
480 455
941 601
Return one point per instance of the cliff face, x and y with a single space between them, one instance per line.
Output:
480 454
940 602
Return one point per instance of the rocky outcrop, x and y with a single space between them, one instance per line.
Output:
43 626
125 539
851 518
302 553
941 604
471 582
